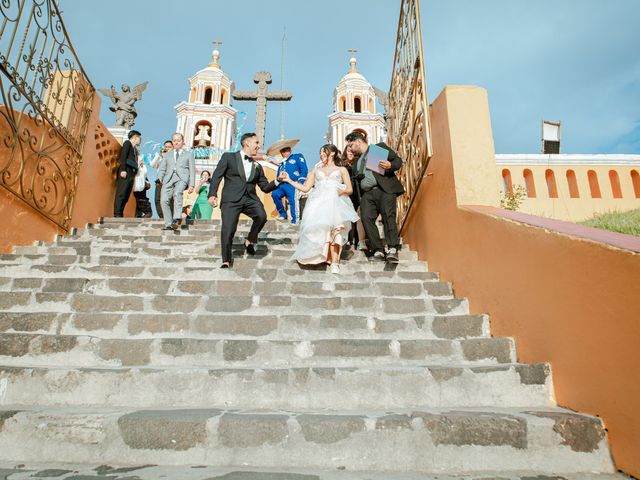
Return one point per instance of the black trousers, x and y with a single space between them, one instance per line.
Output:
143 206
377 202
230 213
124 186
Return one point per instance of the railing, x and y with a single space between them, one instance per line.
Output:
47 101
409 127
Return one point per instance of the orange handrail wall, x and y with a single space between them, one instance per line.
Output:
569 295
23 225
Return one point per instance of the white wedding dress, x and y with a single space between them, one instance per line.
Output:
326 219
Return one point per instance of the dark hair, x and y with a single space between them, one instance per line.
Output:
246 136
355 135
167 141
207 172
285 149
132 133
344 160
331 148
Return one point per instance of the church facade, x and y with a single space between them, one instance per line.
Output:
207 120
354 108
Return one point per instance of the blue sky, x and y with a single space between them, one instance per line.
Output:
577 61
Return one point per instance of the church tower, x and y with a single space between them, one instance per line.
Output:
207 120
354 108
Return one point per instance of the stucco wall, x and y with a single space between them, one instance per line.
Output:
569 295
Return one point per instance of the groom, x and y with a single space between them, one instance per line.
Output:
241 174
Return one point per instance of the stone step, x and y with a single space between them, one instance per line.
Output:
21 349
369 387
165 250
242 270
406 440
66 471
238 326
293 286
268 258
64 302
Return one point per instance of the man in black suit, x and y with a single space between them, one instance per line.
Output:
126 172
378 194
241 174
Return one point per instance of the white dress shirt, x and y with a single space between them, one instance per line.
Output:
246 164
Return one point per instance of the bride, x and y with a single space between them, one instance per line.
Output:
328 213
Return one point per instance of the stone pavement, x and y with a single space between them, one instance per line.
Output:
127 345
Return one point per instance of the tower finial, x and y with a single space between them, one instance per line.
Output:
216 55
353 62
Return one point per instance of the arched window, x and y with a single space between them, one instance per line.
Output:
552 188
573 184
615 184
594 186
223 96
343 104
208 95
529 183
507 185
635 179
357 105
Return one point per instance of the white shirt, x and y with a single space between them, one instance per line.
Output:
246 164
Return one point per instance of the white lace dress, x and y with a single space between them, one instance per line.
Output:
326 219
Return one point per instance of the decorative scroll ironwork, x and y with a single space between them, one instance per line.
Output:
409 127
46 103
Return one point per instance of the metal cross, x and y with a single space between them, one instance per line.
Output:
217 43
261 96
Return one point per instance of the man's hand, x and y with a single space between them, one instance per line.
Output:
284 177
123 174
190 191
384 164
213 201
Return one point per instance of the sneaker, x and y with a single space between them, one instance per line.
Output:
379 255
335 268
392 255
362 246
281 219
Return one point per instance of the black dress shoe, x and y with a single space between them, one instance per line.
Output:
250 248
169 227
225 265
175 225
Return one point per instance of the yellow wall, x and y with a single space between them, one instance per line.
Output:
575 209
568 294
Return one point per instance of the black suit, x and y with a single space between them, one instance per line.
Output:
129 164
239 196
381 200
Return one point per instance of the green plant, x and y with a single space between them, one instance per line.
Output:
621 222
513 199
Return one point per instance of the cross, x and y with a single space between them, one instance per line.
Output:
353 52
261 96
217 43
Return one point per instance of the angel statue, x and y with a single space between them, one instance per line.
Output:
123 103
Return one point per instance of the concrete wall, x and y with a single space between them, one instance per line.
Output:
568 294
23 225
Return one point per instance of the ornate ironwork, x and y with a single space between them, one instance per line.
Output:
47 101
408 115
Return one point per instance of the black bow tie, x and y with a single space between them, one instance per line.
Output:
248 158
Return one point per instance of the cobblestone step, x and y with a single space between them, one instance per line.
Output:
39 349
66 471
407 440
320 388
266 326
334 286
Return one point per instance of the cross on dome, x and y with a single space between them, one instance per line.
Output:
353 62
216 54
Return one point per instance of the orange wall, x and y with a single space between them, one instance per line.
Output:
23 225
570 301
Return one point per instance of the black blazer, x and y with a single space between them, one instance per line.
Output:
128 157
235 183
389 181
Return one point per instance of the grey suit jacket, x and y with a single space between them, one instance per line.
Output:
185 167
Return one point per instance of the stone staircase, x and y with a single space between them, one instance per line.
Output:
126 345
